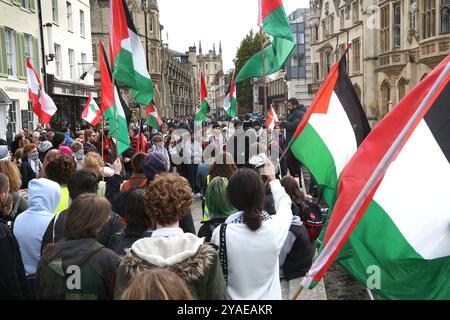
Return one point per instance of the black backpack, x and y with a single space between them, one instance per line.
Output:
312 217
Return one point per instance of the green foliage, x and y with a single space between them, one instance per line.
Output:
250 45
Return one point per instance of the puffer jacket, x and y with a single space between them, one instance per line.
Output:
186 255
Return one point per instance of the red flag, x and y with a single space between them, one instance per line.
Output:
106 82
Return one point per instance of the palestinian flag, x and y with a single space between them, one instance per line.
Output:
331 130
141 143
202 112
111 104
153 118
43 105
274 22
230 103
272 119
128 56
91 112
399 234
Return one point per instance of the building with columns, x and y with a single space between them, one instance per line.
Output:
395 44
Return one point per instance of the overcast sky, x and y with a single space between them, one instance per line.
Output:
188 21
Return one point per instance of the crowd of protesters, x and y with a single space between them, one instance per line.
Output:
79 222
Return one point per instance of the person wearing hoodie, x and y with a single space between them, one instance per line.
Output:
13 283
79 252
81 182
168 198
251 234
220 208
30 225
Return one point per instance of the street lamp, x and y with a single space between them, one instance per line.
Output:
51 47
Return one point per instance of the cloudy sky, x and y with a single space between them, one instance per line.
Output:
188 21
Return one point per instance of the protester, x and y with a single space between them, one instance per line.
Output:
79 248
31 165
168 198
158 146
239 145
78 153
43 148
20 204
51 155
137 178
59 139
137 223
30 226
219 207
94 161
192 157
13 283
157 284
215 140
91 139
253 235
60 170
81 182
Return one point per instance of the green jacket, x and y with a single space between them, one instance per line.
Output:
201 271
76 270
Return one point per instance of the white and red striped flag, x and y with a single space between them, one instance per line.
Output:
43 105
91 112
272 119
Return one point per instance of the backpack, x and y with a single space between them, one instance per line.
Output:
313 219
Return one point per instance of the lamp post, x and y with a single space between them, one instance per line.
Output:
144 8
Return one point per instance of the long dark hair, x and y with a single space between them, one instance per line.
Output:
246 193
293 189
135 210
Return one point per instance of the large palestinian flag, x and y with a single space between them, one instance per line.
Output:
43 105
128 56
400 245
230 103
331 130
111 105
274 22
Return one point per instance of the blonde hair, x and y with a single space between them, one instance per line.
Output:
13 174
157 284
93 161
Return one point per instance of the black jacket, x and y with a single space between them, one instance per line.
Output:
207 228
109 229
13 284
87 147
292 121
27 173
125 238
299 259
119 199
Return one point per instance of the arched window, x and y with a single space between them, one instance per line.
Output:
428 18
357 91
316 32
397 20
445 16
385 98
401 88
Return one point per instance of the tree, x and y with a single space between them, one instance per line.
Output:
250 45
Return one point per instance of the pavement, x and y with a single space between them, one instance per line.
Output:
288 287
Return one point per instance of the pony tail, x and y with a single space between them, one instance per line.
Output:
253 218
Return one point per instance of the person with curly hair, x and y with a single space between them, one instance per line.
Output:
168 198
60 170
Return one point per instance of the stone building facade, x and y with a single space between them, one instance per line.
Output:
395 44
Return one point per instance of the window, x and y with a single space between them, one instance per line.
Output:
302 60
28 42
82 26
58 68
11 52
385 98
401 88
26 4
154 61
316 72
294 61
12 116
316 32
397 19
301 38
206 66
445 16
342 19
356 56
71 64
84 65
55 10
151 23
324 29
428 18
30 115
356 12
332 24
384 33
327 62
69 16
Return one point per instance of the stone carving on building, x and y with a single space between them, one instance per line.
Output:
412 33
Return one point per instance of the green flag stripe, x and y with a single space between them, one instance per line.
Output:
277 25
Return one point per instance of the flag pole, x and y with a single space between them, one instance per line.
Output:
265 87
103 141
297 293
115 115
